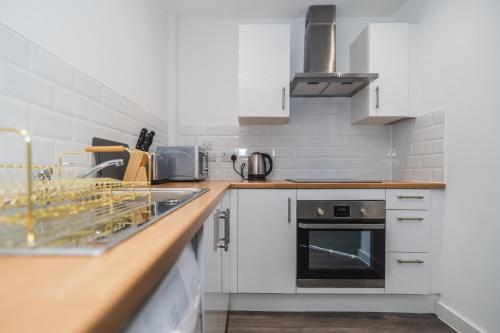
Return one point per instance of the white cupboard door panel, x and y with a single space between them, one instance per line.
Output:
266 241
407 273
212 258
382 48
408 231
388 56
264 70
408 199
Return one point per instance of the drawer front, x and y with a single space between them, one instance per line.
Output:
408 199
408 231
407 273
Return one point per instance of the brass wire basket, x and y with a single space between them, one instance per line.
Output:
64 212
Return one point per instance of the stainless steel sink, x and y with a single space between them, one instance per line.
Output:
87 236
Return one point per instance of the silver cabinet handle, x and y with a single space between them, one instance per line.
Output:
377 97
224 215
410 218
410 196
416 261
216 230
289 210
283 93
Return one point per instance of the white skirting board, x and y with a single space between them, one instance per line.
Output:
455 320
334 303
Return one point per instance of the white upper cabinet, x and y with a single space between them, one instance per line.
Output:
264 73
382 48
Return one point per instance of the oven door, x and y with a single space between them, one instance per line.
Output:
348 255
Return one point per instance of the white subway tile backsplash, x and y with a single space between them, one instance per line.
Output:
319 141
50 124
13 113
13 47
71 104
438 146
61 106
418 147
438 116
51 67
85 131
120 103
432 161
422 148
431 133
101 114
124 123
20 84
87 86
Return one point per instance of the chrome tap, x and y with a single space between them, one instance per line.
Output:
99 167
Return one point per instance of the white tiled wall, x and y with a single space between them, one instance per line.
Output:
418 147
62 107
319 141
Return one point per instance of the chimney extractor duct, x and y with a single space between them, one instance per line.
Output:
320 78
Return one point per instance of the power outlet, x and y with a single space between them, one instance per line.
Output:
226 157
212 157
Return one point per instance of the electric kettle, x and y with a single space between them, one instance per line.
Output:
257 166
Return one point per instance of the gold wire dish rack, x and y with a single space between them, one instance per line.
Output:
58 212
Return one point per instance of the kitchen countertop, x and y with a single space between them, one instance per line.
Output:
100 294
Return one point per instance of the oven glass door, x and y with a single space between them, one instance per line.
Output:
340 253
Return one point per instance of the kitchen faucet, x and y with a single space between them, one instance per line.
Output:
99 167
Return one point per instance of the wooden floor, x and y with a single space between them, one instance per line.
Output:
270 322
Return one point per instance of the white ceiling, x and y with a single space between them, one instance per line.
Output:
279 8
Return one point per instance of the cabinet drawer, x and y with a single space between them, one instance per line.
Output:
407 273
408 199
408 231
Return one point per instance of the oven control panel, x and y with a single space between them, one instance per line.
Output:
341 211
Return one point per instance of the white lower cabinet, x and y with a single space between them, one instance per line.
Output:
266 241
407 273
408 231
214 263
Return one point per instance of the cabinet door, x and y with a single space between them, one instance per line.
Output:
382 48
388 56
212 257
266 241
214 301
264 73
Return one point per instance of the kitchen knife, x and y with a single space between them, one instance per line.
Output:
148 141
142 138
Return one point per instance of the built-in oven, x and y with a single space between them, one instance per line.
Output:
340 244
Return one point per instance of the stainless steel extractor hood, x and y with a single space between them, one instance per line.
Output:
320 78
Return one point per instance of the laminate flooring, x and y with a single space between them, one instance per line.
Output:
335 322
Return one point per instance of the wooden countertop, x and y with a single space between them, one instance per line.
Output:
100 294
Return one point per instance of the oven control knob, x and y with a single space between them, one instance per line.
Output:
320 211
364 211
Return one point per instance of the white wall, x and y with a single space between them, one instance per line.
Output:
119 42
207 64
459 63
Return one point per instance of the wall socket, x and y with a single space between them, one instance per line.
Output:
226 157
212 157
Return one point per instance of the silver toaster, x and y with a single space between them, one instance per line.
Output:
179 163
